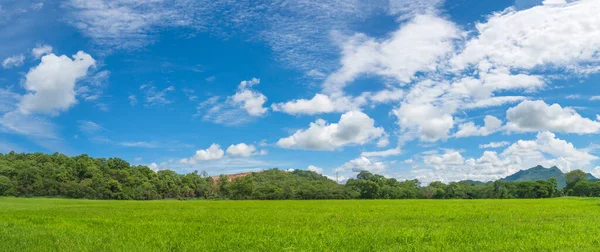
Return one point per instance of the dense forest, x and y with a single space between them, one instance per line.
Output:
57 175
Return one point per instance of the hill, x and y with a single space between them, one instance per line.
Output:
541 173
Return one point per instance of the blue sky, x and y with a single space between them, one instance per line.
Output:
426 89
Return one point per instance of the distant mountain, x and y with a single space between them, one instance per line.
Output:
541 173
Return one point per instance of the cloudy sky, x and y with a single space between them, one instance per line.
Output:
427 89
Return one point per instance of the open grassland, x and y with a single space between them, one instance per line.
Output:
566 224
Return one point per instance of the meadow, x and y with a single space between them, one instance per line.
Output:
42 224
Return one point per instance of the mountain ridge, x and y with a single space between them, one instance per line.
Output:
541 173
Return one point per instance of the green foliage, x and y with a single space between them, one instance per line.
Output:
56 175
83 177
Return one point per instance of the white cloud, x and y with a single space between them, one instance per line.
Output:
501 56
320 103
8 100
154 97
502 53
492 145
157 167
214 152
94 89
140 144
190 94
132 100
153 167
362 164
263 143
387 95
41 50
491 125
241 150
89 127
546 150
532 116
595 98
444 160
51 84
242 107
408 8
541 36
354 127
554 2
427 121
494 102
218 111
296 40
13 61
386 153
315 169
416 47
573 97
596 172
29 125
120 24
566 156
383 141
249 99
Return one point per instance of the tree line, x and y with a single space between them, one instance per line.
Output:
57 175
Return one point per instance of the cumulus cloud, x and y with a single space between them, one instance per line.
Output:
354 127
214 152
242 107
51 84
492 145
320 103
466 72
532 116
566 156
386 153
252 101
596 172
546 150
13 61
241 150
491 125
442 161
494 102
41 50
429 122
554 2
408 51
315 169
362 164
536 37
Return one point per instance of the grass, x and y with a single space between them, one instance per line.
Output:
566 224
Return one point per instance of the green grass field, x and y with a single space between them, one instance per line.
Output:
403 225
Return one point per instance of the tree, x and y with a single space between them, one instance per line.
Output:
429 192
573 177
6 187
